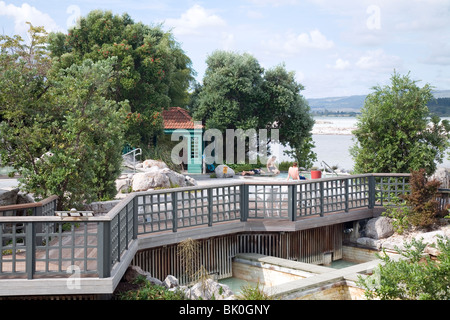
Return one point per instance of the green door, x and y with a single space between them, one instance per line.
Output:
195 153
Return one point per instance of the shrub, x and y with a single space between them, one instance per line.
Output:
415 277
419 208
250 292
149 291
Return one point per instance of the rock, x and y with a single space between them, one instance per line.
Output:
368 242
23 198
101 207
393 244
148 164
143 181
154 281
190 181
209 289
160 178
8 197
134 271
379 228
220 171
175 179
123 184
171 282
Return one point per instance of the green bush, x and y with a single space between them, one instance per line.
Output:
251 292
415 277
149 291
285 165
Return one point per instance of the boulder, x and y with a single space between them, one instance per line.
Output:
208 290
8 197
123 184
224 171
149 163
134 271
101 207
175 179
23 198
143 181
160 178
171 282
368 243
190 181
379 228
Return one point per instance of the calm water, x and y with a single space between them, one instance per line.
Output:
333 148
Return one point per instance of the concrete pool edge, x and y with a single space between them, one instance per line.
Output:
314 281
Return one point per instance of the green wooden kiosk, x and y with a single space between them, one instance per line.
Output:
177 118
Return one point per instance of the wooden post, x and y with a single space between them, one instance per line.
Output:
104 249
31 249
210 206
175 211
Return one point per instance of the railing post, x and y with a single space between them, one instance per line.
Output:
104 249
135 216
292 200
39 228
346 183
210 206
31 249
244 202
175 211
321 198
371 191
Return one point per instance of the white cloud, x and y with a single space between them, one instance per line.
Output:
227 41
27 13
341 64
292 43
379 61
195 21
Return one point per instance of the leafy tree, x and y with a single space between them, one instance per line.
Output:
58 130
230 97
414 277
288 111
394 133
151 71
237 93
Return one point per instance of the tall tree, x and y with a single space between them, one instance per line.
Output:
287 110
152 72
394 132
58 130
237 93
231 96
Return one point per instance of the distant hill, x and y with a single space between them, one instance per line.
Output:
354 103
334 104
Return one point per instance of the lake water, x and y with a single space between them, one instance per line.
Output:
333 140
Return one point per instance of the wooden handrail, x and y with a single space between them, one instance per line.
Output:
28 205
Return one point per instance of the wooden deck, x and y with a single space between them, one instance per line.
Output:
99 249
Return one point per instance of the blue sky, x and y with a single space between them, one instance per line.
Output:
335 48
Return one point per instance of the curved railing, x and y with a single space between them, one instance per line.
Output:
44 243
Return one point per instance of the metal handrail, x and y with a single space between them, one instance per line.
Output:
134 152
326 164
